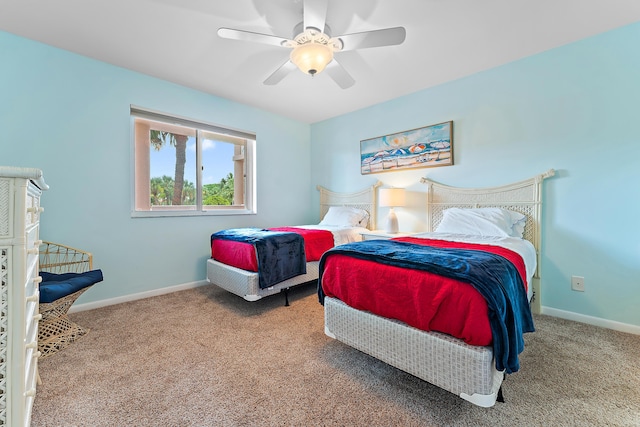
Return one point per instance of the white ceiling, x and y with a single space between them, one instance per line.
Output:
176 40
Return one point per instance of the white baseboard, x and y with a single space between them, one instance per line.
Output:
132 297
597 321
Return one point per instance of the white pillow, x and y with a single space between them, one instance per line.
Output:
344 216
519 221
479 222
365 219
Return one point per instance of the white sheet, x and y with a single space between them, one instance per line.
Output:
522 247
341 235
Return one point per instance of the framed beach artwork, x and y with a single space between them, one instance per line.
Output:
428 146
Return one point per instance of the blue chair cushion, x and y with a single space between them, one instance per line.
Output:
56 286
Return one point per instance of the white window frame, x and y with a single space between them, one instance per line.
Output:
250 207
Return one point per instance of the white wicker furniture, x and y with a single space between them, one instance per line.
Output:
382 234
245 283
439 359
56 330
20 191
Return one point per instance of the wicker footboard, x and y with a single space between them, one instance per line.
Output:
451 364
245 283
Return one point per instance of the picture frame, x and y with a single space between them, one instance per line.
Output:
424 147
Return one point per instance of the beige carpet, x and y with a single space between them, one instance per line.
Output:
204 357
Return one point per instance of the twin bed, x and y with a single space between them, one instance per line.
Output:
466 370
467 355
344 215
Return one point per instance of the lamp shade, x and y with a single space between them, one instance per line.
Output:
311 58
392 197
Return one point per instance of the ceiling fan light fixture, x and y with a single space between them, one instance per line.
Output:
313 48
311 58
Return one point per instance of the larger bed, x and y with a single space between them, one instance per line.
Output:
465 369
246 283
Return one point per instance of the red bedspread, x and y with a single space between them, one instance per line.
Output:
418 298
243 255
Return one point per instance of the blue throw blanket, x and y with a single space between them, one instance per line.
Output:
495 277
280 254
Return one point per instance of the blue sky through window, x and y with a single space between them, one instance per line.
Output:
217 160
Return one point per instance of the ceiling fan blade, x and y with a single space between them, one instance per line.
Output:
280 73
315 14
339 74
375 38
248 36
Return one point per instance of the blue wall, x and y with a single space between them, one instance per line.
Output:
574 109
69 116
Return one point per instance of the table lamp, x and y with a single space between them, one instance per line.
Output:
392 198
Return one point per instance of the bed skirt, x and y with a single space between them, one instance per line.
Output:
245 283
442 360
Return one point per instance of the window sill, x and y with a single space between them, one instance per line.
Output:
169 213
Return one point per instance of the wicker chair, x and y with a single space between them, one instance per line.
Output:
55 330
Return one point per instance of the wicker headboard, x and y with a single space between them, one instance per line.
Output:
364 199
523 196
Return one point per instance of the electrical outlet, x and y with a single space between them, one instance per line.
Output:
577 283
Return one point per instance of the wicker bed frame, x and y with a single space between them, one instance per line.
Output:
245 283
449 363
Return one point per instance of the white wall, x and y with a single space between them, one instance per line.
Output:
574 109
69 116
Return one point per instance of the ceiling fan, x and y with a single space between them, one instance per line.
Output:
313 47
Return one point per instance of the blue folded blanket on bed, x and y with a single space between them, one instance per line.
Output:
280 254
495 277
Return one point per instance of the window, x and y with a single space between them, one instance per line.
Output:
182 167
